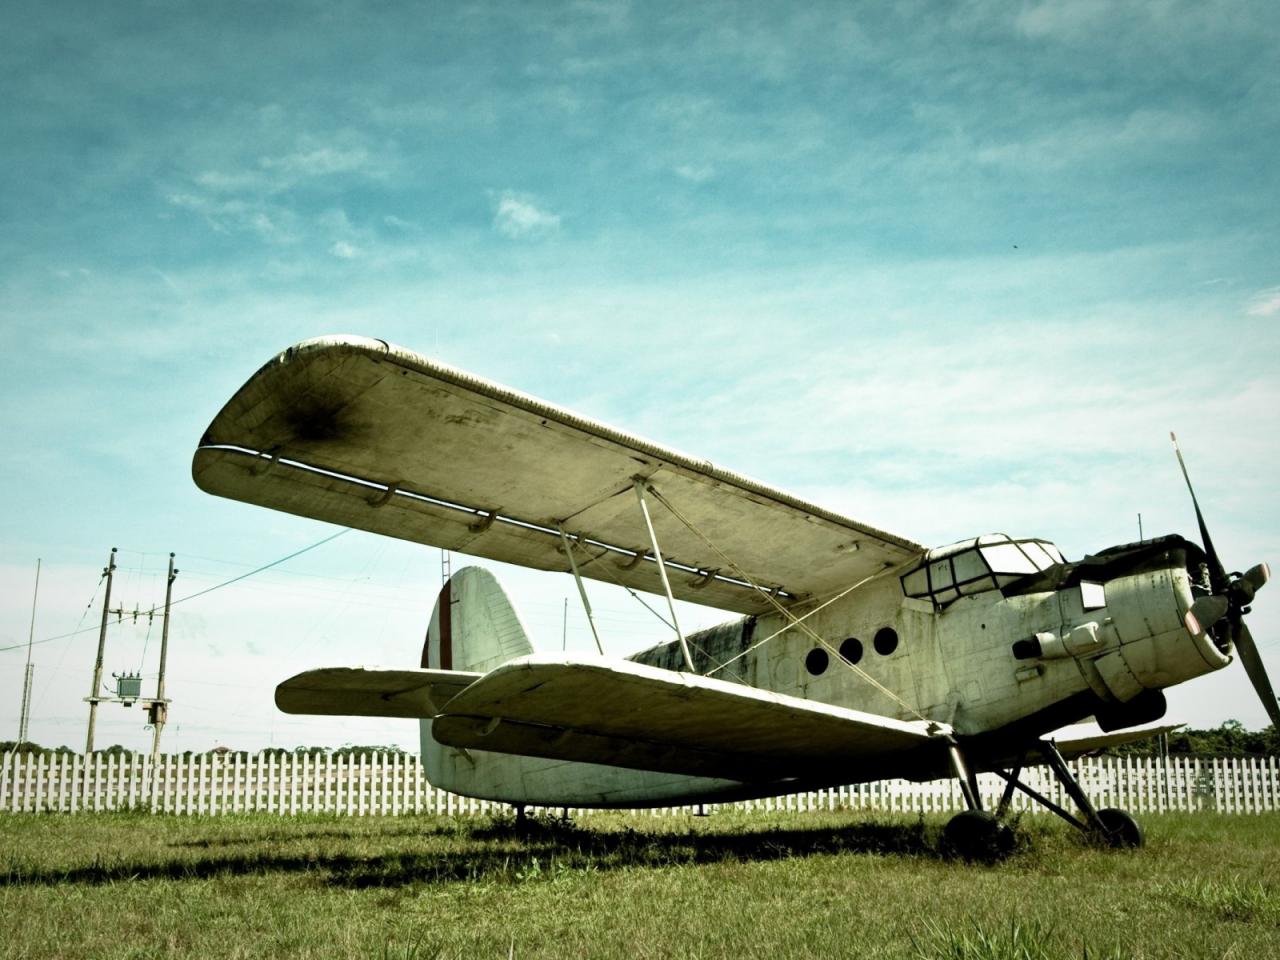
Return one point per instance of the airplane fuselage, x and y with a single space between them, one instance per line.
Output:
1101 637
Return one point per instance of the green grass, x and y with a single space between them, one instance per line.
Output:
611 885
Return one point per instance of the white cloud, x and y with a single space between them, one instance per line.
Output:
1093 138
219 181
344 250
1265 303
317 163
517 217
1056 19
237 216
695 173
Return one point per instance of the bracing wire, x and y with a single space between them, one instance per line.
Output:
787 614
605 567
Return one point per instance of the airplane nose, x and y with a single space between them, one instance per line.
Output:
1239 590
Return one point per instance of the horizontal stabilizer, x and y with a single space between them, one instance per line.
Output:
630 715
371 692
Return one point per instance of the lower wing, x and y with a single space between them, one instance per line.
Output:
630 715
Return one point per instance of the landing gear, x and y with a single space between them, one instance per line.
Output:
1119 830
980 836
1110 827
977 836
974 834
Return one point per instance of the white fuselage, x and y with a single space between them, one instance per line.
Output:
1002 667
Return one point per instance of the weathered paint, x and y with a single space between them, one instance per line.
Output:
371 436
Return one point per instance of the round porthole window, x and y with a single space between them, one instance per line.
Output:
886 641
851 649
816 661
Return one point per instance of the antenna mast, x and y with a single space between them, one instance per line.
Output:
24 718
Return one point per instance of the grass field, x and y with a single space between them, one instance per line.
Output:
729 885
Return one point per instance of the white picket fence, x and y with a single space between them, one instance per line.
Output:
392 785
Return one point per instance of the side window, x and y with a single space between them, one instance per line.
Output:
886 641
1093 596
969 566
851 649
916 584
940 574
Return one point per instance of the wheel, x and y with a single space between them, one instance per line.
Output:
978 836
1120 830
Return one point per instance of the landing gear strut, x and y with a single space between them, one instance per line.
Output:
974 834
1110 826
977 835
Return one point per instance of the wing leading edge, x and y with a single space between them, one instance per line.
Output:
357 432
630 715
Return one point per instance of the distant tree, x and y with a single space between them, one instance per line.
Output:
351 750
115 750
1231 739
26 747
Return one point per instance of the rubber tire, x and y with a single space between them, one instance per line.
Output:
1122 832
977 836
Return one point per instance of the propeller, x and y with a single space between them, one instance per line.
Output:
1230 597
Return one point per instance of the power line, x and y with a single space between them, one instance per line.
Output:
198 593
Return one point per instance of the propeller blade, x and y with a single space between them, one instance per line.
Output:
1252 661
1217 573
1209 610
1258 576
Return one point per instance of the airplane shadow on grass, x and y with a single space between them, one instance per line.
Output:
507 852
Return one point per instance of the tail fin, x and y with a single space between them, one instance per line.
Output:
474 626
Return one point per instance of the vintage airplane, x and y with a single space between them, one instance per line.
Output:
857 655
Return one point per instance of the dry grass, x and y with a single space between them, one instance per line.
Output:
741 886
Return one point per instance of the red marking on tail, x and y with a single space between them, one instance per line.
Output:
444 604
446 627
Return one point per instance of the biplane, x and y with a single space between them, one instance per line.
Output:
851 655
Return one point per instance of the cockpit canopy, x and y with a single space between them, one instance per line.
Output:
977 565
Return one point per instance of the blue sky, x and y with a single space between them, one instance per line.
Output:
949 268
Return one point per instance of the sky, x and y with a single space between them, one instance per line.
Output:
948 268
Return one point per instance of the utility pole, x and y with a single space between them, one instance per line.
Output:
95 691
159 708
24 718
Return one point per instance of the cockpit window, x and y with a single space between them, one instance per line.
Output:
974 566
1044 555
1008 558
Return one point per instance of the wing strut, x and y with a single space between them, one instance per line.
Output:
582 590
662 570
787 615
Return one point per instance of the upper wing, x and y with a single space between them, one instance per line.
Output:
629 715
360 433
369 692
